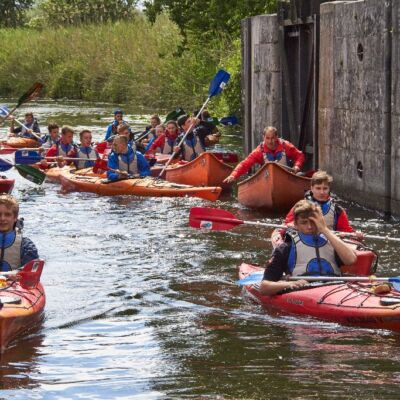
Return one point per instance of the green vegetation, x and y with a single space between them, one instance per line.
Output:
106 50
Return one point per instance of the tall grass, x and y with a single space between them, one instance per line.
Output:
131 62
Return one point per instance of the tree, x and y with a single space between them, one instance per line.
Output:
12 12
76 12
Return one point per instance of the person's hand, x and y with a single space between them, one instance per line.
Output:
44 163
296 169
359 236
176 149
29 131
229 179
318 219
298 284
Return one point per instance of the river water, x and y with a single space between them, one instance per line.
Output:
141 306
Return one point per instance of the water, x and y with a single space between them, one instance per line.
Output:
141 306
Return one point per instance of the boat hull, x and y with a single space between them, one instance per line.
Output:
19 143
272 187
345 303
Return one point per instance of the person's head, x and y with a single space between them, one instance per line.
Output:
302 212
184 122
54 130
85 137
9 209
123 130
155 120
29 117
271 137
160 130
67 134
118 115
120 144
321 185
172 128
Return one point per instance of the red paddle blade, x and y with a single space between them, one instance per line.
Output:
100 165
29 275
212 219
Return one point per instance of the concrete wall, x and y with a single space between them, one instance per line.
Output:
261 77
353 102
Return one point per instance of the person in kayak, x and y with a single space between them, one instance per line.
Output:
52 137
165 143
160 130
124 162
118 120
65 147
85 150
16 250
194 144
320 194
30 122
271 149
311 249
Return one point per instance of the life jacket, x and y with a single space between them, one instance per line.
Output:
24 133
311 255
169 145
131 168
330 210
86 152
64 149
280 157
10 257
192 148
47 141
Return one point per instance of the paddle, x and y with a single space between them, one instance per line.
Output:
221 220
4 111
29 275
174 115
32 157
231 120
256 277
32 92
216 86
31 174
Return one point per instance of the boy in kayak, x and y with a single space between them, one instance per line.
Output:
271 149
194 144
30 123
113 127
124 162
320 194
85 150
65 147
311 249
16 250
165 143
52 137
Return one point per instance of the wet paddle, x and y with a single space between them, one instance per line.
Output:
32 92
221 220
216 86
256 277
30 173
26 157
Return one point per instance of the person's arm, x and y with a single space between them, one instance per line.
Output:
113 164
28 251
143 165
277 265
343 250
255 157
289 218
35 127
343 223
108 132
295 155
159 142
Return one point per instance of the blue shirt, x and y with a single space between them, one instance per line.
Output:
143 165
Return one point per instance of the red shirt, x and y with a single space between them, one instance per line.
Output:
257 157
159 142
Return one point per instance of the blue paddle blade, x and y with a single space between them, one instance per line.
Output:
219 82
232 120
255 277
27 157
395 283
5 165
4 111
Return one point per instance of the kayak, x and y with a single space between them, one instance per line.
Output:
6 185
53 174
148 186
205 170
19 142
273 187
21 309
347 303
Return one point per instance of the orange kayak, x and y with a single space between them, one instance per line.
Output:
273 187
205 170
149 187
21 309
19 143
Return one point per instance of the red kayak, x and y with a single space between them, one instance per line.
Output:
352 303
6 185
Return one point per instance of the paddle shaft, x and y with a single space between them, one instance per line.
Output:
184 137
24 126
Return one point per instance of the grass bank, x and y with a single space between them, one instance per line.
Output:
130 62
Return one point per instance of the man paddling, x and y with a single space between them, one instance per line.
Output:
271 149
311 249
124 162
16 250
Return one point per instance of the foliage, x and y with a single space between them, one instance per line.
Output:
12 12
76 12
